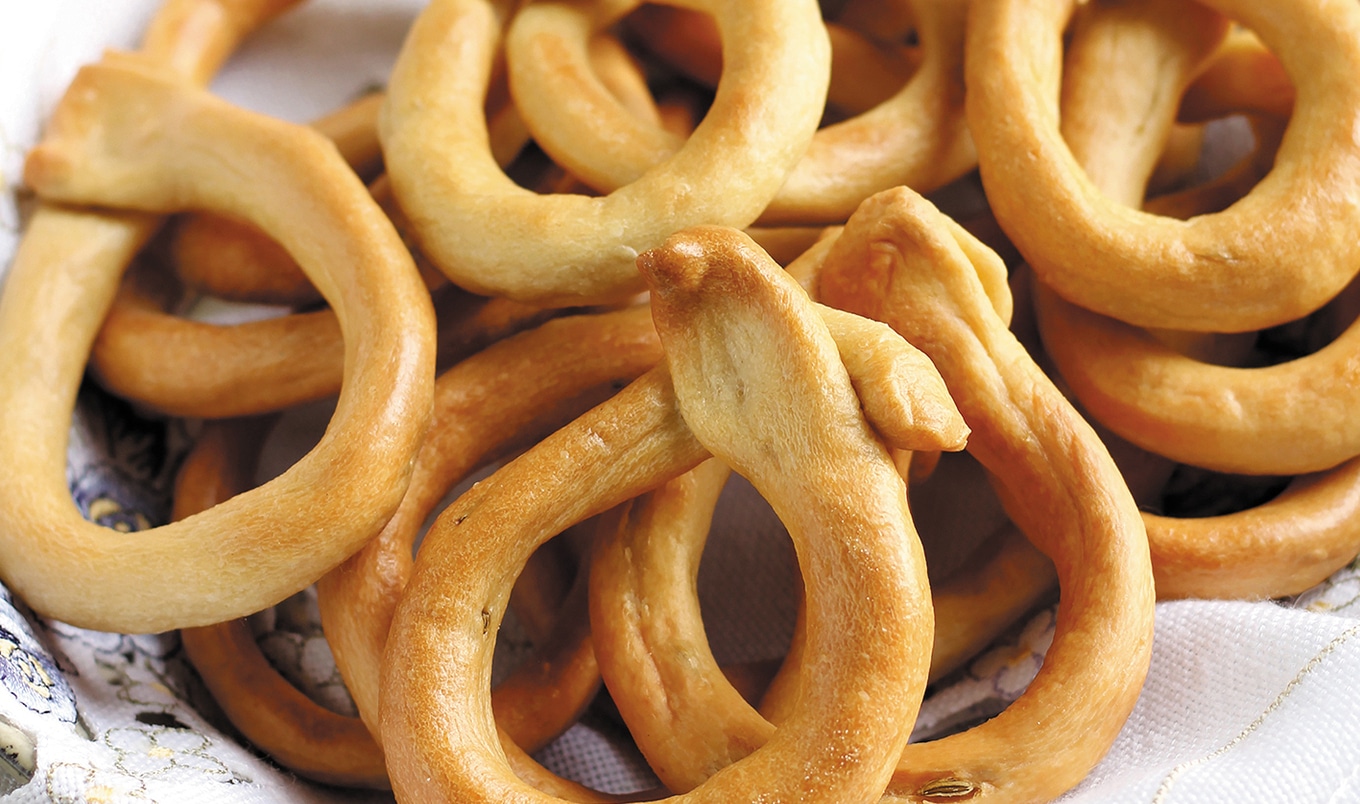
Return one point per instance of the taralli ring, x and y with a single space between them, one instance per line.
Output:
917 137
100 149
509 394
899 261
795 403
491 236
1273 257
269 711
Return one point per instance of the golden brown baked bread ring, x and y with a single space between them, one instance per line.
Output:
491 236
233 260
101 149
1285 419
271 713
864 72
785 380
1270 258
917 137
1289 418
1283 547
199 369
900 261
655 657
508 395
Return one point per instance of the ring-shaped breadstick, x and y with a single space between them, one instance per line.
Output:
1285 419
199 369
276 716
273 714
918 137
493 237
1274 256
898 260
864 72
1289 418
1283 547
509 394
101 149
781 396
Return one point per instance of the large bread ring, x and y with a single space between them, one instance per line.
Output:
493 237
439 649
917 137
101 149
899 260
1273 257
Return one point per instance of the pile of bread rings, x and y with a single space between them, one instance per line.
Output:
620 251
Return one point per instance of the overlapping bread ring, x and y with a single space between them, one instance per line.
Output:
1285 419
513 390
864 72
655 658
436 726
200 369
293 183
1272 257
660 672
494 237
273 714
505 396
1219 417
897 260
917 137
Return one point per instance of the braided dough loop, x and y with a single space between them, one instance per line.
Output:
493 237
292 182
1273 257
898 260
917 137
844 738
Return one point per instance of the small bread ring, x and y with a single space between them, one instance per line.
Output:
493 237
270 712
197 369
864 72
508 394
1273 257
100 148
442 636
1289 418
1285 419
917 137
898 259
